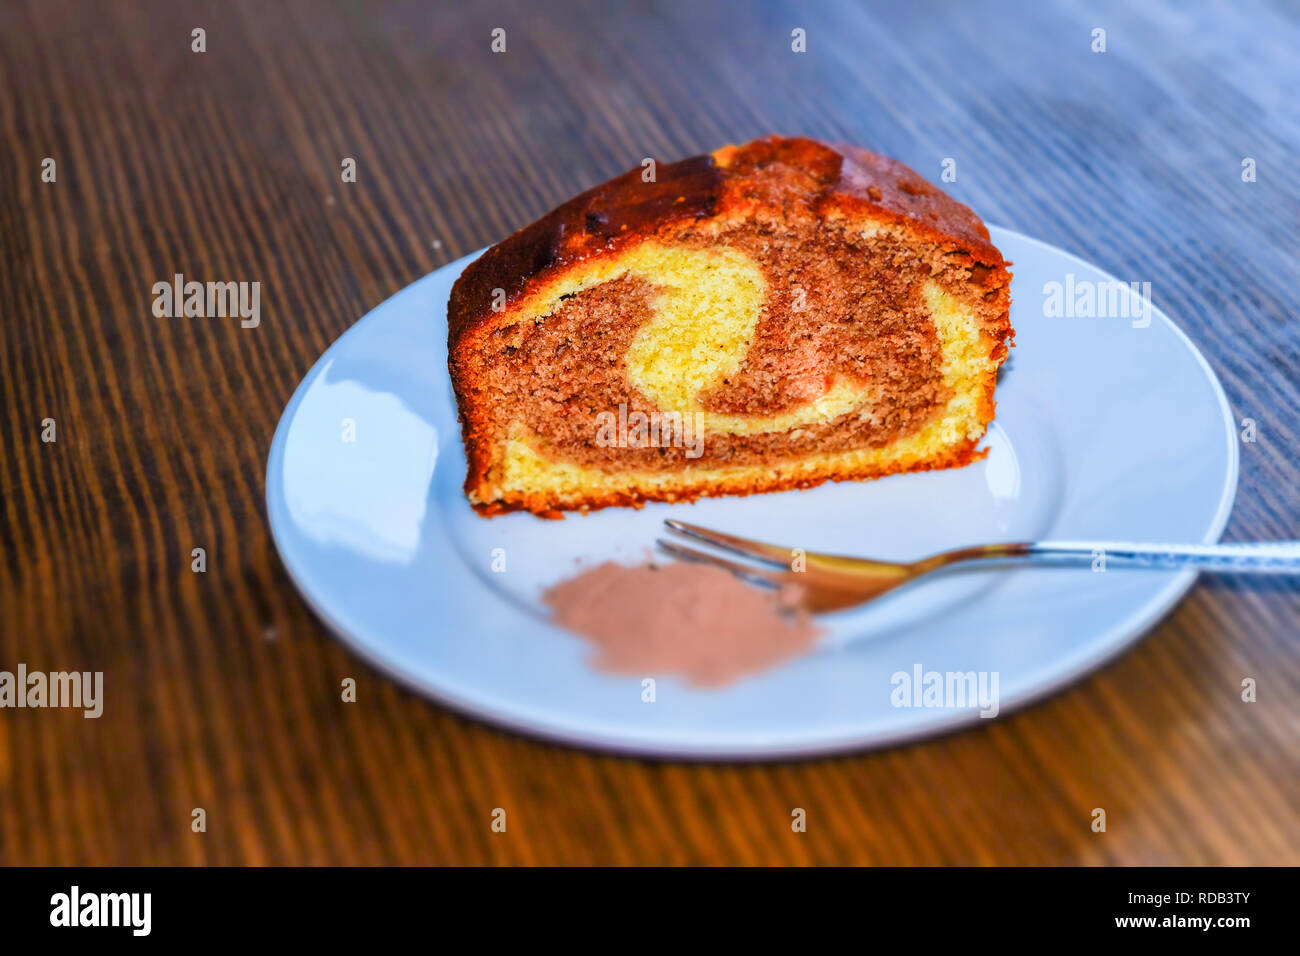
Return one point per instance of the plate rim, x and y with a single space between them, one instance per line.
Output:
1117 640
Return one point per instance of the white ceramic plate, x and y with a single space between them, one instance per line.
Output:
1104 430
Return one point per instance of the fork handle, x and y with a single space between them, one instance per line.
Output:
1270 557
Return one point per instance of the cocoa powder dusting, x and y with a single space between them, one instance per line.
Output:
696 621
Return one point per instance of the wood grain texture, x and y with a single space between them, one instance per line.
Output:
222 689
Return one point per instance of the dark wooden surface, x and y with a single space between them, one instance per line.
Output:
222 689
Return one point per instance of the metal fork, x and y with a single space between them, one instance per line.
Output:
829 582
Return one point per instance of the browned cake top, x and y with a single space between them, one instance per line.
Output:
776 176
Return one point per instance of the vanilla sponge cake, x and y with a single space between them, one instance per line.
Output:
766 317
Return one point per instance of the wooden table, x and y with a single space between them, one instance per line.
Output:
221 688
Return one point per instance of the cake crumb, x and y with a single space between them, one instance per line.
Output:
692 620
